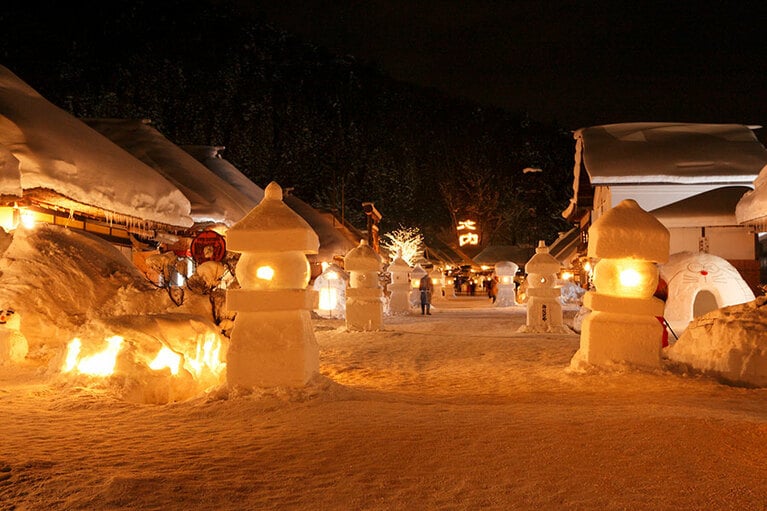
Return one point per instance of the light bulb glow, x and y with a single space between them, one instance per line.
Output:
265 273
630 277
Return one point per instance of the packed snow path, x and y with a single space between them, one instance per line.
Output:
450 411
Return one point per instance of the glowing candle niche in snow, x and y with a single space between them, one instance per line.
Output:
272 342
627 243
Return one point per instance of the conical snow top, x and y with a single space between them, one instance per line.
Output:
362 258
628 231
272 227
542 262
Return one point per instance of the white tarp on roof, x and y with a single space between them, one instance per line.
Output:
653 152
44 147
212 198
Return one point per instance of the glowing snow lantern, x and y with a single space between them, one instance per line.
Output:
437 281
544 310
272 341
399 301
506 271
623 324
364 305
416 274
331 287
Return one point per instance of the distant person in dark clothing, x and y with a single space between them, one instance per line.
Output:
426 288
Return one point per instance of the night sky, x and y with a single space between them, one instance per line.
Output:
575 63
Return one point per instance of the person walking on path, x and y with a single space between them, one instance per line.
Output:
426 288
492 290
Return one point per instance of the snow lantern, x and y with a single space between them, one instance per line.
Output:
13 344
331 288
623 325
699 283
364 304
544 310
272 341
437 281
507 290
399 301
416 274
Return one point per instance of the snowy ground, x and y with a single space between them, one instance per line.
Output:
451 411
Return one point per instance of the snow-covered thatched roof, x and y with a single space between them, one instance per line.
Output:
662 152
45 149
712 208
213 200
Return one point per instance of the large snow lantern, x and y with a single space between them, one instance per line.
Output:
272 341
331 287
437 280
507 290
364 305
416 274
544 310
623 324
399 300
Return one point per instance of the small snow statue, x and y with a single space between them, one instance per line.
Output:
13 344
507 290
399 302
544 310
623 326
364 300
331 288
700 283
272 343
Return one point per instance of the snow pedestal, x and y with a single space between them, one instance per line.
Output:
364 304
623 326
544 310
331 288
507 291
436 281
399 301
272 341
416 274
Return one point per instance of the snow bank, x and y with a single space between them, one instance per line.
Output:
729 342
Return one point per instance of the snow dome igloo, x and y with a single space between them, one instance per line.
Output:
699 283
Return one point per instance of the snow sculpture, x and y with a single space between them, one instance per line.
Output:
730 342
700 283
13 344
364 304
399 301
416 274
544 310
436 280
331 287
272 341
623 325
507 291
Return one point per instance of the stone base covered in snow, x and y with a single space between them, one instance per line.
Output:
364 309
729 342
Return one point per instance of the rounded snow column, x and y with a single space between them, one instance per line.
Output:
331 288
272 341
364 304
544 310
507 291
399 301
623 325
437 281
416 274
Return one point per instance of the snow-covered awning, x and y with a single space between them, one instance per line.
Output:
654 152
752 207
42 147
708 209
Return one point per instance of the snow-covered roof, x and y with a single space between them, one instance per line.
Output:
210 156
661 152
708 209
42 147
752 207
213 200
